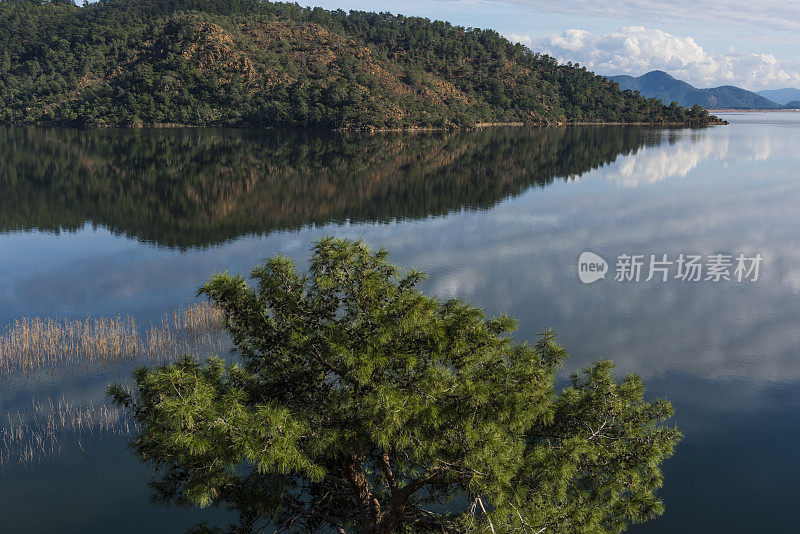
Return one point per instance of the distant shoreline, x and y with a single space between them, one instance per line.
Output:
753 110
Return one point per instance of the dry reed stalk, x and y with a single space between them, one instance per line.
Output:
33 345
34 435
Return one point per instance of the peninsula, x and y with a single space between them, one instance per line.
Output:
251 63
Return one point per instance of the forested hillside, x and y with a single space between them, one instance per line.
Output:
262 64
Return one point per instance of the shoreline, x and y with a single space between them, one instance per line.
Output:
754 110
477 126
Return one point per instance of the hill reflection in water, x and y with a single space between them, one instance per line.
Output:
198 187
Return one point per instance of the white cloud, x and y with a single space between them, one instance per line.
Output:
524 39
635 50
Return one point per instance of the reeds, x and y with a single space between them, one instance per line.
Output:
37 347
32 346
35 434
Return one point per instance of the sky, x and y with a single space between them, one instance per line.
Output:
751 44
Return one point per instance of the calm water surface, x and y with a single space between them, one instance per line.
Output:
100 223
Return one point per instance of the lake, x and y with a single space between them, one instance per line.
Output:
100 223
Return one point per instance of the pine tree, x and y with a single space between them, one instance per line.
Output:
362 405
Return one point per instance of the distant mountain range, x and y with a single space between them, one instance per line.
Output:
782 96
659 84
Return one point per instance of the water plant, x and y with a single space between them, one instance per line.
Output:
33 346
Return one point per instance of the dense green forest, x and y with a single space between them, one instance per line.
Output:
197 187
262 64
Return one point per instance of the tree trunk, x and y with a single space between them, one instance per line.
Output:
369 507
